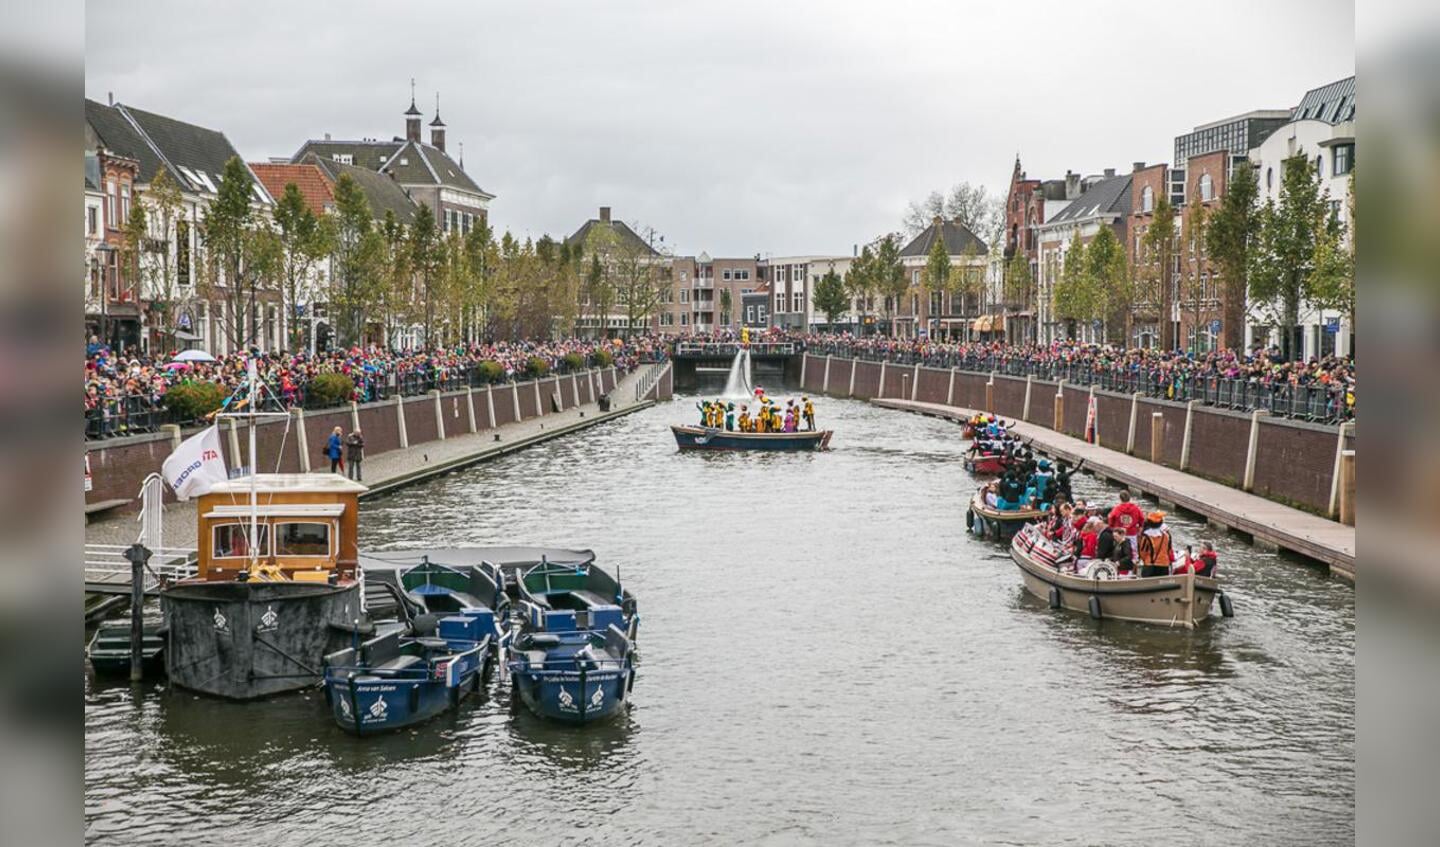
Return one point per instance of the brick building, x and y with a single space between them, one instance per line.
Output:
1104 201
1149 184
1028 204
941 314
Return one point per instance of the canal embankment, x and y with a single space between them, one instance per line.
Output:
533 413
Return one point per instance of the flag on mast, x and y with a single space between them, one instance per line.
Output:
196 465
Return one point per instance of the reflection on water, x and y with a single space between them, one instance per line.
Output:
828 656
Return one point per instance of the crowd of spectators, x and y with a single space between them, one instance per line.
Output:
126 392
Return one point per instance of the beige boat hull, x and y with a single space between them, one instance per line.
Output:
1179 600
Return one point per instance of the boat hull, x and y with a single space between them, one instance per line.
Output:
1178 600
998 524
701 438
569 696
988 465
363 703
245 640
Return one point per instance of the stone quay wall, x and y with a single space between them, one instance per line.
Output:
118 466
1292 462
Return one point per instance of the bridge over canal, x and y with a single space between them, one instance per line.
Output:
774 361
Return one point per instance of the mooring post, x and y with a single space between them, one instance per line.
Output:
915 386
1060 407
1025 410
804 363
950 392
470 406
1134 419
990 395
1252 453
400 421
880 392
1347 487
439 414
139 555
302 441
1157 435
1189 428
854 366
1344 431
825 381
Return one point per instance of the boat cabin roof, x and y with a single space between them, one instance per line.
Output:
297 483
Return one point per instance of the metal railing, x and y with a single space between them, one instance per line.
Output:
730 348
1326 404
107 568
652 375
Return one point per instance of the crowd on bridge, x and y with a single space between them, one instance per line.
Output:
122 390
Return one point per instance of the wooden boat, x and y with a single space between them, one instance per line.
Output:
448 631
275 589
709 438
1175 600
109 649
574 659
997 524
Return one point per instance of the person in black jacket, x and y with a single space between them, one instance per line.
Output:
355 453
1063 472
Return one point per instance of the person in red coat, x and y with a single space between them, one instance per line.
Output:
1128 517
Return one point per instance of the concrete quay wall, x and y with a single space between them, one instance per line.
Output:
118 466
1291 462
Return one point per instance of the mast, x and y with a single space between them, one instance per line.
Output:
254 498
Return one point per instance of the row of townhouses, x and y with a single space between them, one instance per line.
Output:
127 147
171 305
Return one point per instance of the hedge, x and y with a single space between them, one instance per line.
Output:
191 401
329 390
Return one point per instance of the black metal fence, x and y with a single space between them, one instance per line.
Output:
138 414
1327 404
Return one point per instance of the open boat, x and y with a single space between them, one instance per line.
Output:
1181 599
711 438
109 650
986 465
574 659
998 524
446 635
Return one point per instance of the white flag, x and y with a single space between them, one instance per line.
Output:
196 465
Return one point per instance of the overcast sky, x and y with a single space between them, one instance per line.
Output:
732 127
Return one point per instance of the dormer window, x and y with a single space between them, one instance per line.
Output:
404 160
344 158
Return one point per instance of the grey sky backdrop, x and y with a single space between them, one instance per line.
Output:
732 127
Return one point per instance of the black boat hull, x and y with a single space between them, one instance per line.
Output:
245 640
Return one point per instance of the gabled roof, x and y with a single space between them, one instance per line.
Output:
382 192
958 238
194 155
410 162
114 132
1333 103
622 231
366 154
1110 196
314 184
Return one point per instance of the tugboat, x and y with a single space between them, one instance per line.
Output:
574 659
275 588
439 649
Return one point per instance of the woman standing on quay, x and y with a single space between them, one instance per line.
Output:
332 451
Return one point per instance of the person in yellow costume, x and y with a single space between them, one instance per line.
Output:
745 419
809 413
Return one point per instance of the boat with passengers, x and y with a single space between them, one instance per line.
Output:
988 520
448 631
574 657
1182 598
714 438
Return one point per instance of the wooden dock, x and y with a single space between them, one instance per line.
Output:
1269 523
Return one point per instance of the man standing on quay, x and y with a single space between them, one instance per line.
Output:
355 454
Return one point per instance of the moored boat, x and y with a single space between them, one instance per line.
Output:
1178 599
995 523
109 649
574 659
275 588
710 438
986 465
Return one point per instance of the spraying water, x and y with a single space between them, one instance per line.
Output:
737 384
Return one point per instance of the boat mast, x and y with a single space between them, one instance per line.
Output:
254 499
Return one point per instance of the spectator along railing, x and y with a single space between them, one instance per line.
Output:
1318 403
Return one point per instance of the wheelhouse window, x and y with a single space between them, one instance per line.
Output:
302 539
232 541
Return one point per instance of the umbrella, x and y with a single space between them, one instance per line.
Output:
194 356
178 366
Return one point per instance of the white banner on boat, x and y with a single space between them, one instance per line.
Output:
196 465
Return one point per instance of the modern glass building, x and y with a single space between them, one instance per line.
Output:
1239 135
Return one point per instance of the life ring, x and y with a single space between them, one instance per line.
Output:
1101 569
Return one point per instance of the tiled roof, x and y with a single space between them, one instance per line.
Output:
410 162
958 238
314 184
1333 103
622 231
366 154
195 155
382 192
115 133
1106 197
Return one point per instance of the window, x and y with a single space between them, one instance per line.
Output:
1344 159
915 277
1147 199
684 295
749 314
302 539
92 221
124 204
232 541
684 319
779 302
743 275
1207 187
345 158
797 302
725 274
111 192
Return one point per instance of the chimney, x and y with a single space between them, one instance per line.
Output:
604 214
327 136
1072 185
110 95
1139 166
437 128
1109 171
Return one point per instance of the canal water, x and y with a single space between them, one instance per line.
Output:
827 657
